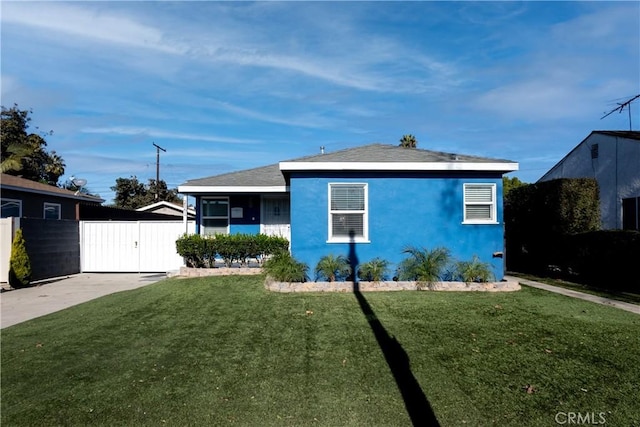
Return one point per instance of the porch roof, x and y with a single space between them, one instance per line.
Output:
266 179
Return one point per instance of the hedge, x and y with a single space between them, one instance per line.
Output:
538 215
203 251
605 259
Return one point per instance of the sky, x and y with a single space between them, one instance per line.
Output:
226 86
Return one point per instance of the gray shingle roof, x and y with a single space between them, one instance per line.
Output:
385 153
265 176
271 175
629 134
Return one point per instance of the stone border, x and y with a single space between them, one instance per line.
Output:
272 285
218 271
506 286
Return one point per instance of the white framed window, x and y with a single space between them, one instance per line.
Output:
348 212
10 207
480 205
52 211
214 216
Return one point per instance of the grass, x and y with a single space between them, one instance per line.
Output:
632 298
224 351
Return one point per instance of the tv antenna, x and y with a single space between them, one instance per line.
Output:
620 108
158 148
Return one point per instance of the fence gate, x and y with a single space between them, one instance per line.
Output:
130 246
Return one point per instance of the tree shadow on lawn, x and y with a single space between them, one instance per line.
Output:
415 401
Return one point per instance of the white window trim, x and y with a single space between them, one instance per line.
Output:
18 201
494 204
51 205
365 219
203 217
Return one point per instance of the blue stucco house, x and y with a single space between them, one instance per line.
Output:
386 196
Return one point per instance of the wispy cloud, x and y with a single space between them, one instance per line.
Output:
78 21
158 133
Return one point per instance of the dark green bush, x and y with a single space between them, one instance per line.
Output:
537 216
284 268
603 259
19 263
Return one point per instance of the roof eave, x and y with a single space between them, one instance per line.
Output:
53 194
197 189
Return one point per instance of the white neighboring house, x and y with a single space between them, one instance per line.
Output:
168 208
613 159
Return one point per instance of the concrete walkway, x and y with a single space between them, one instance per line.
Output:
20 305
575 294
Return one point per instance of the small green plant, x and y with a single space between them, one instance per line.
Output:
19 263
285 268
423 265
474 271
375 270
333 268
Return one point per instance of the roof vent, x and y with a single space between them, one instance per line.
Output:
454 157
322 149
594 151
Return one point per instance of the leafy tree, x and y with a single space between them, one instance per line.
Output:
509 184
132 194
23 153
408 141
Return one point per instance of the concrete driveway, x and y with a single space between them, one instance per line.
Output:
20 305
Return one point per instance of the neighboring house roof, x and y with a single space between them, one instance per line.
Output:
17 183
112 213
373 157
163 204
627 134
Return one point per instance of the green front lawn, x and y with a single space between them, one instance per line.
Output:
224 351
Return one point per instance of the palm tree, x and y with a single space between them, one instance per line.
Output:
408 141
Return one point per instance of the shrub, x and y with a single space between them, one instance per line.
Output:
473 271
284 268
19 263
200 251
375 270
537 216
423 265
192 247
333 268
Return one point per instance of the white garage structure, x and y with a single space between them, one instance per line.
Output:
131 246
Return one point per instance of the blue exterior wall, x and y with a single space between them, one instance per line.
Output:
249 223
418 209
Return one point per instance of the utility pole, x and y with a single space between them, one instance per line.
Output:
158 148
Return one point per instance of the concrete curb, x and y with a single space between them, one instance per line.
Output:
580 295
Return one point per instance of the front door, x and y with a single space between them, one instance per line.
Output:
276 220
